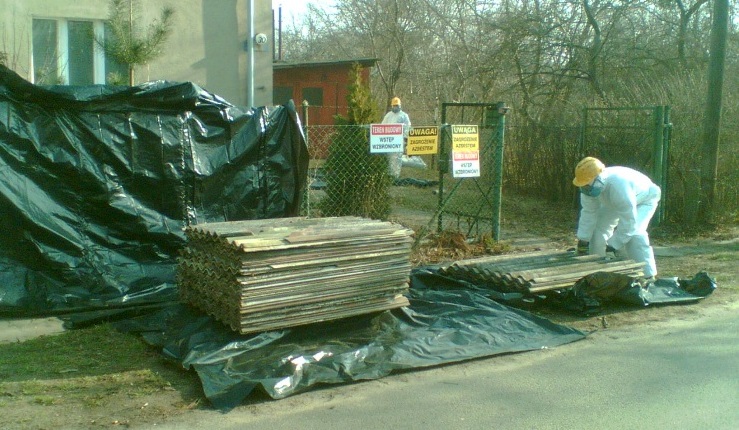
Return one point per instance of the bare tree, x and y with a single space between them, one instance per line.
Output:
546 58
686 14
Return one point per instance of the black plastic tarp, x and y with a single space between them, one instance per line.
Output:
446 322
98 183
589 294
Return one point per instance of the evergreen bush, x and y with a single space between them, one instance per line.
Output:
357 182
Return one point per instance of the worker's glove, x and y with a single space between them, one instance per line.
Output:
583 247
621 253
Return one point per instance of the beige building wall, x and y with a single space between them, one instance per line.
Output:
208 44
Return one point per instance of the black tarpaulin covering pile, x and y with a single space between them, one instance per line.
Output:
98 183
447 321
592 292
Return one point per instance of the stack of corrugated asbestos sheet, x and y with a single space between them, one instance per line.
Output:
269 274
535 272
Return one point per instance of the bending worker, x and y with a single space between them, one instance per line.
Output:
616 198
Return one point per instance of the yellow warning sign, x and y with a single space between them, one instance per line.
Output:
423 140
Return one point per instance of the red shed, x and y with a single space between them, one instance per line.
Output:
322 84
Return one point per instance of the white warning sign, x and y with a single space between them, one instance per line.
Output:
386 138
465 151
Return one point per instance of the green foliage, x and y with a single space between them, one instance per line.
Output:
115 78
362 107
4 58
129 45
357 182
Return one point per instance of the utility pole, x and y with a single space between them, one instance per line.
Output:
712 120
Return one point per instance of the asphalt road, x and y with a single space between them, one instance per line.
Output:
667 375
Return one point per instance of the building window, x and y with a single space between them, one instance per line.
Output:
81 49
282 95
64 52
314 96
45 57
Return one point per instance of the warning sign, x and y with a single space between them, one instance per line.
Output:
423 140
465 151
386 138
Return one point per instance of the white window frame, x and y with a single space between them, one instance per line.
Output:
62 49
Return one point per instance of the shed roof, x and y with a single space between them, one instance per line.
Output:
364 62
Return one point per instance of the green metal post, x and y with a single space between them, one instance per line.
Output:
658 154
659 134
444 146
666 141
498 178
583 131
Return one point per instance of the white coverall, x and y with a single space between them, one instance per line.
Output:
394 160
626 204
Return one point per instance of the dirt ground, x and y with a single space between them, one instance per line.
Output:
180 394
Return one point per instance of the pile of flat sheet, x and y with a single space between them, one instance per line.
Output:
275 273
534 272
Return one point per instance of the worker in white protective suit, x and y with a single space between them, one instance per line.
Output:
617 205
396 116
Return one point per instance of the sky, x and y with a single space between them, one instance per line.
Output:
291 8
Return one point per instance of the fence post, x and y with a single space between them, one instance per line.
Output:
498 180
308 180
444 147
658 156
583 133
666 141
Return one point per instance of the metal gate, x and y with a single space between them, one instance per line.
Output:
637 137
472 204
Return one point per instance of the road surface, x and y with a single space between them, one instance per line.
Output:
666 375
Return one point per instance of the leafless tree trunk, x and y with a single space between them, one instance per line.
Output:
686 14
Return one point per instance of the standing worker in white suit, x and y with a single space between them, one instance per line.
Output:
396 116
617 205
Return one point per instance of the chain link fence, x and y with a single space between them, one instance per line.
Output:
343 178
537 163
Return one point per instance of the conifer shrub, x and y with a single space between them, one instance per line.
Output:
357 182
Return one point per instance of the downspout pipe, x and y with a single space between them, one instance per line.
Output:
250 57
